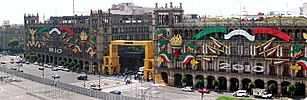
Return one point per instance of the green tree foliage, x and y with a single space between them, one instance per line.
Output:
215 83
291 89
27 56
272 87
77 66
72 64
184 81
251 85
13 43
86 67
62 62
199 81
66 64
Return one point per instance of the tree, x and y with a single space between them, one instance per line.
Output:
66 64
62 62
291 89
184 81
86 67
27 56
199 81
72 64
77 66
272 87
33 57
13 43
251 85
215 83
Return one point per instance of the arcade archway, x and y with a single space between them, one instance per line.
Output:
200 84
299 89
210 82
245 82
284 86
190 79
234 84
222 83
259 84
164 77
273 91
177 81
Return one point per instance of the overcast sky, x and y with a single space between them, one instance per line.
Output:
14 10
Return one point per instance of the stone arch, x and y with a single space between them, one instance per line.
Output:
185 34
234 84
175 32
51 59
201 85
245 82
274 91
177 81
210 82
47 59
164 77
296 33
259 84
284 86
222 83
190 79
299 89
55 60
180 32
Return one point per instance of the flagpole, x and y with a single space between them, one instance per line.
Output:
219 42
268 50
265 42
214 48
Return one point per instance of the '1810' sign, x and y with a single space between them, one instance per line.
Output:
55 50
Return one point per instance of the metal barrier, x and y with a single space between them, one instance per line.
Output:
64 86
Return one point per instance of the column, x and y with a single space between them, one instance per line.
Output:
279 88
281 51
266 85
228 84
251 50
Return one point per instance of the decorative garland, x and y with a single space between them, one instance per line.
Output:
162 45
93 40
210 30
176 43
266 45
207 58
217 43
297 51
191 47
278 62
274 32
94 29
239 32
160 32
186 58
166 57
302 62
69 30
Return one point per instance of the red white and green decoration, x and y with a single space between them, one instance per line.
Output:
187 57
297 51
176 43
166 57
191 47
37 39
163 55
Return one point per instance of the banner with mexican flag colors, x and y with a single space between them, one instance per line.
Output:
271 52
207 58
266 46
302 62
278 62
187 58
212 50
93 40
217 43
89 49
78 47
166 57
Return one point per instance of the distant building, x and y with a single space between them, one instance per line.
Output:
10 32
303 10
130 9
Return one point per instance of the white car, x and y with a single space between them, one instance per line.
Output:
60 67
35 63
55 76
240 93
187 89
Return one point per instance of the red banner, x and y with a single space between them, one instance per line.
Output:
67 29
274 32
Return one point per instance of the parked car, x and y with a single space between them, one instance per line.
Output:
54 69
35 63
3 63
260 93
12 62
66 69
60 67
40 64
20 70
27 62
187 89
55 76
204 90
82 77
45 65
41 68
240 93
115 92
14 68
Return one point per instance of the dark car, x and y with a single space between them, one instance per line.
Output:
115 92
2 62
82 77
41 68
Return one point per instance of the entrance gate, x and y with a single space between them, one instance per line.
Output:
111 62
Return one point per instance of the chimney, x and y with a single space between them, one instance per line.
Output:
171 6
156 5
109 10
180 5
166 5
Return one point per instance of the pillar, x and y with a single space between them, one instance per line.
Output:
228 84
279 88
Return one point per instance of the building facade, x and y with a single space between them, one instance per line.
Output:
234 53
9 33
83 40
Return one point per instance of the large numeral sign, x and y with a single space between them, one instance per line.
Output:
55 50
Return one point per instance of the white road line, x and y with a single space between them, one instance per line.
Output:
1 89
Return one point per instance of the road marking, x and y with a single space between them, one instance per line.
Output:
1 89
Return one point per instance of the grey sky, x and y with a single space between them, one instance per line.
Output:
14 10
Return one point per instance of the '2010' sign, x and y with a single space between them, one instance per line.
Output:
241 67
55 50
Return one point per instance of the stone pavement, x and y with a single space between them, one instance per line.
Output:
40 91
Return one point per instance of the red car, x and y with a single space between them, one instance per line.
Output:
204 90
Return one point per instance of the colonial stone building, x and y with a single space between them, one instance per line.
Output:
8 33
82 39
234 53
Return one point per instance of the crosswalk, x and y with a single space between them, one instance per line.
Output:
96 82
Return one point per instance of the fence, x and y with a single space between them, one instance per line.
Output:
69 87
